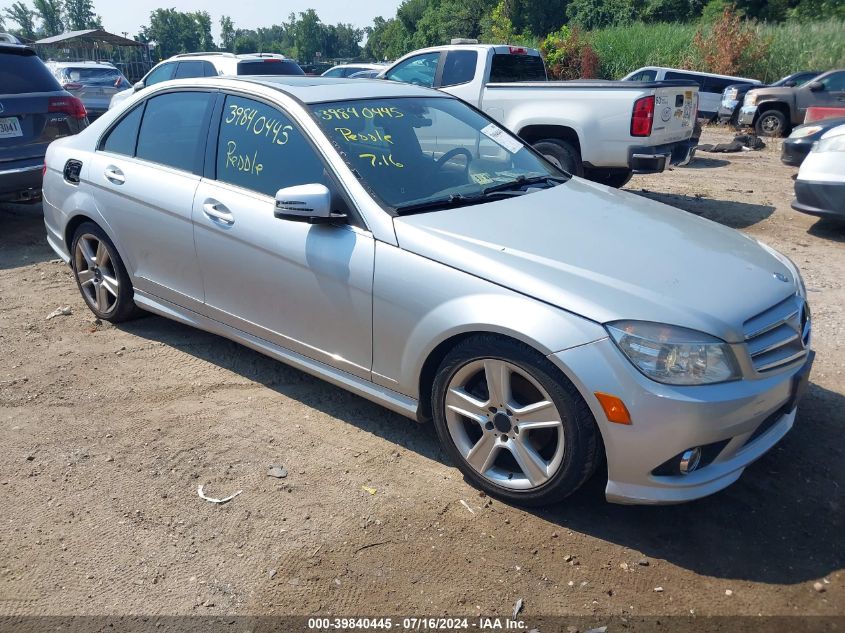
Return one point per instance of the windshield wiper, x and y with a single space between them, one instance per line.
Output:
454 200
520 181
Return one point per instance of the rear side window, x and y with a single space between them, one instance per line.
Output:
162 73
122 137
716 84
195 68
269 66
645 75
459 67
510 68
174 129
684 77
261 149
25 73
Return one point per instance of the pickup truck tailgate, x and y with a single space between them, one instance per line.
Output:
675 109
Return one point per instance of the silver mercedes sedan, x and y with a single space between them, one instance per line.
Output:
399 243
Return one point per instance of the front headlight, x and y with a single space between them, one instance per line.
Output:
750 99
832 144
801 132
674 355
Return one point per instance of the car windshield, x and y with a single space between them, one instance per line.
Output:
107 77
418 154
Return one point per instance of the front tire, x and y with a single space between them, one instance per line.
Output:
562 155
101 276
514 426
771 123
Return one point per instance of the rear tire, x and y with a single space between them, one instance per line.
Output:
561 154
539 445
101 276
771 123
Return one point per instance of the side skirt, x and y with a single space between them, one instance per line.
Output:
387 398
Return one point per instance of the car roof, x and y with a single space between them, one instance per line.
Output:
82 64
695 72
839 130
320 89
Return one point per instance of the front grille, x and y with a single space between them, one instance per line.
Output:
779 336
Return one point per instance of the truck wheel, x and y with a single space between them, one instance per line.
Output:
771 123
617 179
562 155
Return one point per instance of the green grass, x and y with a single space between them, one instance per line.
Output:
794 46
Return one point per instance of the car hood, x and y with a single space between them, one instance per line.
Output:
607 255
778 92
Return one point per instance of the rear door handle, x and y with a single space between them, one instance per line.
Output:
114 175
218 212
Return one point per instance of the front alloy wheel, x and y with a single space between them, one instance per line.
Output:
504 424
514 425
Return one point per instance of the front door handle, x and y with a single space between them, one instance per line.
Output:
218 212
114 175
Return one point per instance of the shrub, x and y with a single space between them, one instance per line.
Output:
731 47
569 55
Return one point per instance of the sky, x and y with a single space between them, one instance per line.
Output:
130 16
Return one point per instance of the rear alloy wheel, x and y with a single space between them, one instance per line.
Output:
771 123
562 155
101 276
514 430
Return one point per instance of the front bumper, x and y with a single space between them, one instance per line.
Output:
737 422
825 199
746 115
656 158
794 151
20 180
727 110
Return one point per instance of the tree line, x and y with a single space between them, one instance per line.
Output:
417 23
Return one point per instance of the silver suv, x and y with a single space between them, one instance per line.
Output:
211 65
95 83
401 244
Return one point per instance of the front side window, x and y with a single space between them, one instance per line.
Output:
174 129
418 70
162 73
428 151
459 67
261 149
122 137
334 72
835 82
644 75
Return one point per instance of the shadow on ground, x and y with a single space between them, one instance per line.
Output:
827 229
737 215
781 523
701 162
22 236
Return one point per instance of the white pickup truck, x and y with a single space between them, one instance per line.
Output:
603 130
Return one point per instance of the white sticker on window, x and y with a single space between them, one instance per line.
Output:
498 135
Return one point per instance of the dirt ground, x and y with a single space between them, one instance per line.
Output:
106 432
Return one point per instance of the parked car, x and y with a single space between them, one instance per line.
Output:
734 94
603 130
210 65
34 111
773 111
347 70
543 321
95 83
801 140
711 86
820 186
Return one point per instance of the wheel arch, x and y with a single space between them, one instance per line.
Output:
534 133
765 106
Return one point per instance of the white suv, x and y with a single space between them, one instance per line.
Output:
210 65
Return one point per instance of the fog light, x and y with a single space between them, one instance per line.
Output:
690 460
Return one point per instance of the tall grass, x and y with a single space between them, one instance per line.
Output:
794 46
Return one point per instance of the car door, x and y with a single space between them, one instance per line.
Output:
831 94
305 287
145 172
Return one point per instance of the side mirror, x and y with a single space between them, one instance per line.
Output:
815 86
305 203
138 86
790 84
